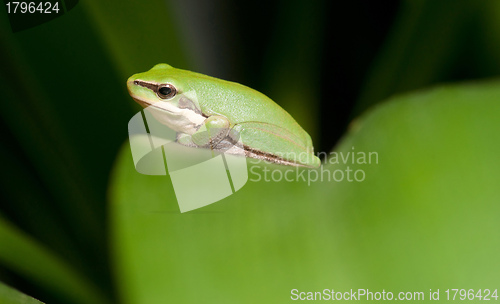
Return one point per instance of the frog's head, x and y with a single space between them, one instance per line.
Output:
166 89
161 84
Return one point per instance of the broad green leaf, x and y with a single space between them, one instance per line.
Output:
428 205
11 296
425 216
20 253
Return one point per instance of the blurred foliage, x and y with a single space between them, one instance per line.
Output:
28 258
424 210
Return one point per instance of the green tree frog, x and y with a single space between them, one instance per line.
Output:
207 112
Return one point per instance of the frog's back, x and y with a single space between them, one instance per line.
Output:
241 104
263 124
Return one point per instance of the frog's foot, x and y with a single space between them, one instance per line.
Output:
185 140
214 130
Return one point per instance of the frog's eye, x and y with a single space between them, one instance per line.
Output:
166 91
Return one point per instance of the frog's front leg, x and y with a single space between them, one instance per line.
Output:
213 130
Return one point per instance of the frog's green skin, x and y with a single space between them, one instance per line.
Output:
204 110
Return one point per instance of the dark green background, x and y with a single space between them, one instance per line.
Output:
64 116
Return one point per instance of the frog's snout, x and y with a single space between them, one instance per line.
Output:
131 81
